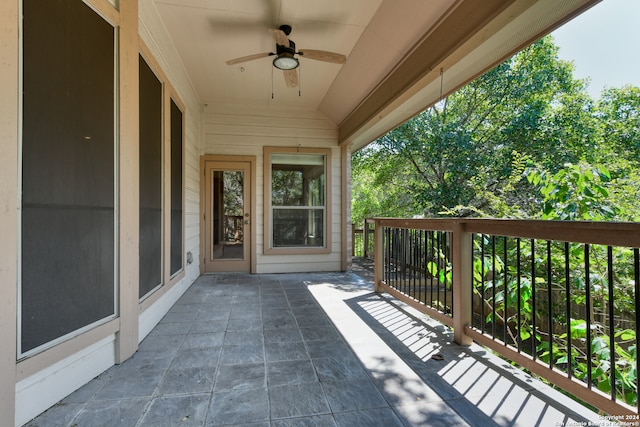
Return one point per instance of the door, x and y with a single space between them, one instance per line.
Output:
227 216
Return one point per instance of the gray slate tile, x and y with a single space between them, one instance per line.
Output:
290 372
236 407
111 413
297 400
173 411
242 376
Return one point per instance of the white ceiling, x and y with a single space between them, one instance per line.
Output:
373 34
394 50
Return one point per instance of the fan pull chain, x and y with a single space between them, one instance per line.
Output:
299 81
271 82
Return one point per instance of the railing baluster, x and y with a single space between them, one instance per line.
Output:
474 284
493 287
412 271
416 262
587 286
534 352
447 241
396 255
416 258
438 262
505 292
549 304
610 303
567 287
518 284
482 316
425 256
433 259
636 275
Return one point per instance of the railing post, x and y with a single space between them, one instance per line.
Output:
365 239
462 282
378 255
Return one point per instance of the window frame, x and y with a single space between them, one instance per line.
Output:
108 322
269 249
169 96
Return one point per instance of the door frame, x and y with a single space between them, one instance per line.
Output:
252 201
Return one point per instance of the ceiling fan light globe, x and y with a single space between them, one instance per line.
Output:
286 61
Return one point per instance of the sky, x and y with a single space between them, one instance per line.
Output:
604 44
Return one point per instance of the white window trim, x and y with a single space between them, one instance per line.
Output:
268 210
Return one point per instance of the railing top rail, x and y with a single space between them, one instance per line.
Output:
625 234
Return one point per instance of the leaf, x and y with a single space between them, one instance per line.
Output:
578 328
604 173
626 335
432 268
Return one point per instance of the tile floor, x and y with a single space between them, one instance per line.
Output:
306 350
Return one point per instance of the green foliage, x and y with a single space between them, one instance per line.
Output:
467 155
576 192
503 292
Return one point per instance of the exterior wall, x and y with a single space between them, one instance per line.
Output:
243 130
33 384
174 76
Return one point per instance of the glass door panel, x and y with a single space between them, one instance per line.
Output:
227 216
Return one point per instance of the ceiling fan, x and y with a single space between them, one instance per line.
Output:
285 55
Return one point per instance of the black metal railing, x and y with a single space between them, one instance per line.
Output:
558 298
418 265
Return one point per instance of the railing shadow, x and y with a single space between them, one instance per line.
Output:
482 389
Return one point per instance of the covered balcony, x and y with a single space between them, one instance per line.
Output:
153 161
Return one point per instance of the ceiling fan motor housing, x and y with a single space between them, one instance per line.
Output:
291 49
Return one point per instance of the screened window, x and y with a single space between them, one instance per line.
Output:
68 163
150 160
298 195
176 188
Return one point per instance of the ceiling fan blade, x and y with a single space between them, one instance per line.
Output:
248 58
291 78
280 37
323 55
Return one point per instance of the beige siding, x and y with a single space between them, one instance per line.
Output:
152 33
244 130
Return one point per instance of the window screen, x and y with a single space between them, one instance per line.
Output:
150 180
176 188
68 146
298 200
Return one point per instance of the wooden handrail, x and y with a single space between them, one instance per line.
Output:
625 234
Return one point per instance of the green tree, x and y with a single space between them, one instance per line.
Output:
465 155
377 189
618 115
618 111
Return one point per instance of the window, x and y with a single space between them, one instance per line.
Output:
297 195
150 160
176 188
161 179
68 173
